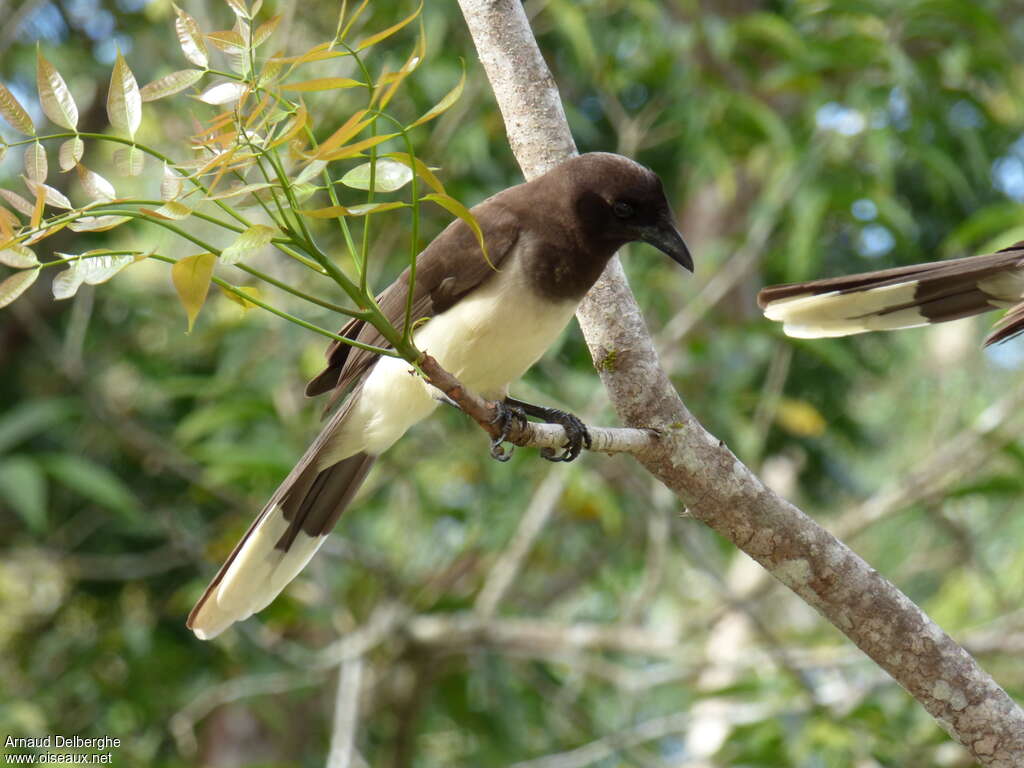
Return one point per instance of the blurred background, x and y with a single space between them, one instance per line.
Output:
531 614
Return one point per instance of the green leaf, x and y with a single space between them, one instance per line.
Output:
124 103
442 106
171 185
389 176
14 113
247 243
53 197
54 95
456 208
92 481
70 153
31 417
23 488
191 276
190 36
129 160
322 84
35 162
18 256
171 210
168 85
334 211
17 202
88 269
384 34
97 187
97 223
421 168
17 284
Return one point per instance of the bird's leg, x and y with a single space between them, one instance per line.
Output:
575 430
509 415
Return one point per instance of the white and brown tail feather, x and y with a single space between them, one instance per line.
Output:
283 538
904 297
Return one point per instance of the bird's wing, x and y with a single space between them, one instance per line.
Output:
898 298
449 268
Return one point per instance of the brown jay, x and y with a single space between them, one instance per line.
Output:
487 321
904 297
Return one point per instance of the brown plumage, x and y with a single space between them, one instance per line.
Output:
904 297
487 321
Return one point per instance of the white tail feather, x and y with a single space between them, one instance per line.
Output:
842 314
256 576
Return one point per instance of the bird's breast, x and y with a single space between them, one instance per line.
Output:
490 337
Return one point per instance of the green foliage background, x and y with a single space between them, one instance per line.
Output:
797 139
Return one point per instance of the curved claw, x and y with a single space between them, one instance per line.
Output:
507 416
576 433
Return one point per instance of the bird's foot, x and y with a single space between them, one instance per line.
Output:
509 417
575 430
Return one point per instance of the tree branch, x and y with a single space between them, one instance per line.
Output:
704 473
485 413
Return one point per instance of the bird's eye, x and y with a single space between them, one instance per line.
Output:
623 210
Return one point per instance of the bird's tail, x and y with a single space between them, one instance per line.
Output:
283 538
898 298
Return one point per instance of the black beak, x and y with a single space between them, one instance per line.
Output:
666 238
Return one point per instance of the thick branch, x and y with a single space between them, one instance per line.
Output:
708 478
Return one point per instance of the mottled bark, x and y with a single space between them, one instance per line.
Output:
716 487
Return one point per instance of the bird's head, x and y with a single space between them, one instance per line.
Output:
619 201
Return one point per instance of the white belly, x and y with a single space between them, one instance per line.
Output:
487 340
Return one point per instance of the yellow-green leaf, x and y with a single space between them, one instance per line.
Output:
97 223
70 153
314 168
191 277
18 203
297 123
51 196
129 160
384 95
17 284
456 208
355 149
450 98
248 242
54 95
383 35
243 300
238 191
91 268
190 36
124 103
265 30
172 210
322 84
318 52
14 113
35 162
388 176
172 184
421 168
170 84
227 40
334 211
239 9
97 187
18 256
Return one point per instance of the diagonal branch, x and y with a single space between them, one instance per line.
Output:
704 473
